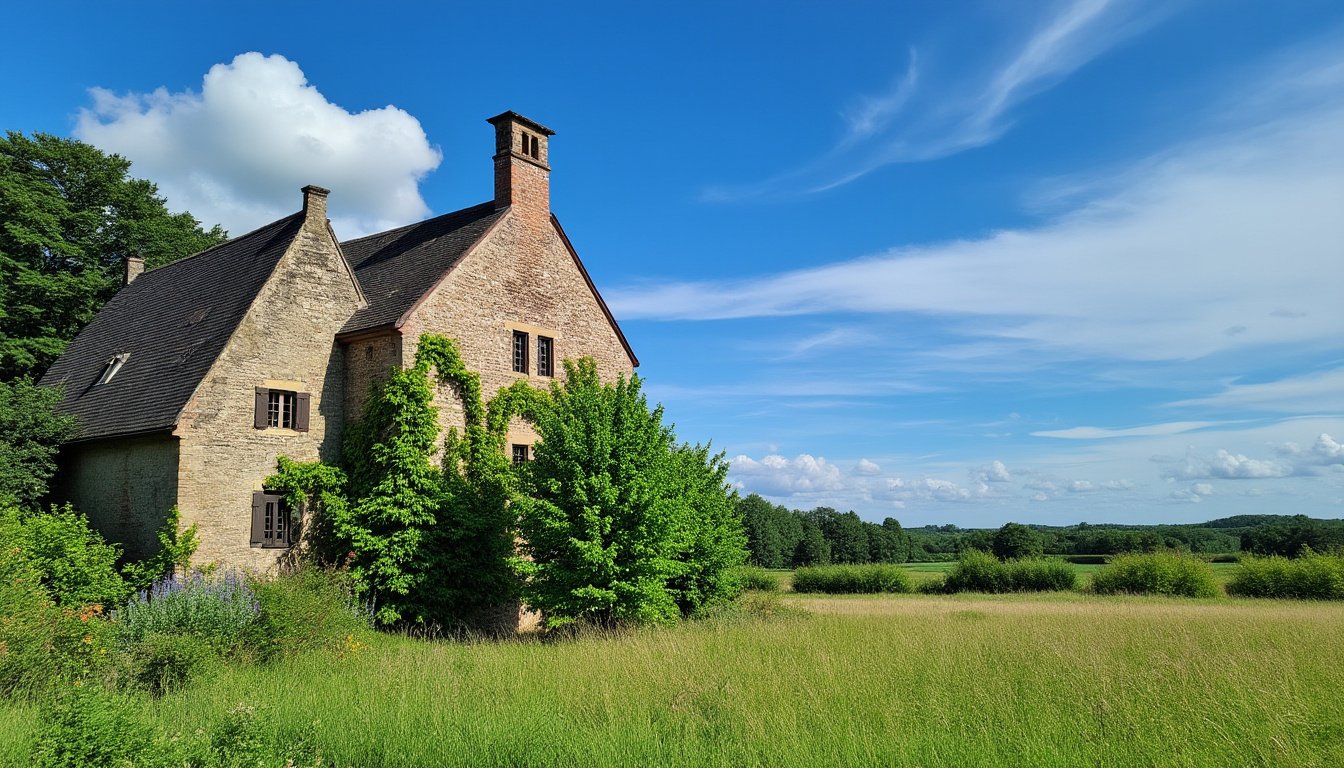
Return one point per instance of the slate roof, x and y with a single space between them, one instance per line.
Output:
397 267
174 321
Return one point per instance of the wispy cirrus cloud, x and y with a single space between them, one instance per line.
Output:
1102 433
1318 392
1227 241
929 115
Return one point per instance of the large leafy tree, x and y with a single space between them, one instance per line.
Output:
30 433
69 216
619 524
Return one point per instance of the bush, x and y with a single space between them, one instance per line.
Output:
89 726
43 646
216 608
311 608
164 663
852 579
760 580
1310 577
75 565
1086 559
1157 573
978 571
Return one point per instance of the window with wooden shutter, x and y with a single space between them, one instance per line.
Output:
274 524
259 417
301 411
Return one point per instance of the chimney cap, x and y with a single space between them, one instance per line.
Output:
511 116
313 189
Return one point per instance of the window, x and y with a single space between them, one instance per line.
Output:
113 365
531 145
519 352
281 409
274 524
520 454
545 356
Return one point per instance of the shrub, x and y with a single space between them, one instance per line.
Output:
1086 559
75 565
978 571
1156 573
174 555
216 608
1310 577
852 579
164 663
42 645
759 579
310 608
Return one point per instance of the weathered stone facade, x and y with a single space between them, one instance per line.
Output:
125 487
515 271
286 341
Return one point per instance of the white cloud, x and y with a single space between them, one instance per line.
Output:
866 467
1237 228
1081 486
1194 494
238 151
921 118
1320 392
996 472
776 475
1101 433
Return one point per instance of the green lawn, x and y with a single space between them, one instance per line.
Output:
1065 679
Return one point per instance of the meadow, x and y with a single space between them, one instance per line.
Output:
1061 679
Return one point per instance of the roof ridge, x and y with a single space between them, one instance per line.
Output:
417 223
231 241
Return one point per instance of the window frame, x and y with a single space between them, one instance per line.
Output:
285 527
545 356
299 407
521 454
519 352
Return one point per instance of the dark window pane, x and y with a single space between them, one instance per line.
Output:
520 454
519 352
545 364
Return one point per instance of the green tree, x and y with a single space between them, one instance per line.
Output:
845 533
1015 541
773 532
618 524
30 433
812 549
69 216
888 542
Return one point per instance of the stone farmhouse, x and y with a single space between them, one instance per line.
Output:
198 374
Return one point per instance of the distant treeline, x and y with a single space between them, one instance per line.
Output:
778 537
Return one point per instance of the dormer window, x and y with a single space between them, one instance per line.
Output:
113 365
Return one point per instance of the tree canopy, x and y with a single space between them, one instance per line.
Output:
69 216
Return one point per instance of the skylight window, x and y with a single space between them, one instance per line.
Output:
114 365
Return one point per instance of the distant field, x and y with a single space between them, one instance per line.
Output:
1064 679
921 572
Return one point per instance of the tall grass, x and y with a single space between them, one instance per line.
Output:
852 579
1311 577
947 681
1157 573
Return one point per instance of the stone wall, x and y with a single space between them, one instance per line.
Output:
125 487
521 277
367 362
286 341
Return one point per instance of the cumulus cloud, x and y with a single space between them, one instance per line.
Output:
1194 494
238 151
866 467
996 472
779 476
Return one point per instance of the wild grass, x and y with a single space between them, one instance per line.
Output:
1060 679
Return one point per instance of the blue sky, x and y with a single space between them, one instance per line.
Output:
947 262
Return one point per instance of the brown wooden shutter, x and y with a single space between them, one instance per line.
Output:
259 413
258 517
301 412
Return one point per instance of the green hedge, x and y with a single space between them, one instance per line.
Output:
852 579
1310 577
759 579
978 571
1158 573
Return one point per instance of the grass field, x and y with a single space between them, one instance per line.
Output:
1057 680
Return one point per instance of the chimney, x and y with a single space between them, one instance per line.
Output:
522 170
315 205
133 267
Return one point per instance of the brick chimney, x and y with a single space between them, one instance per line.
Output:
315 205
522 170
132 268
